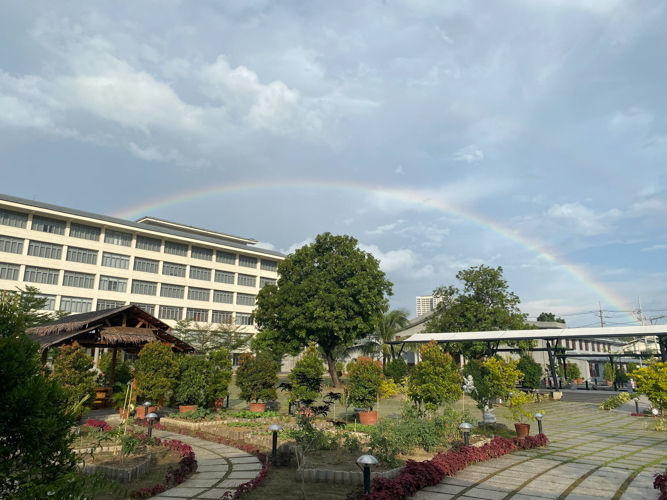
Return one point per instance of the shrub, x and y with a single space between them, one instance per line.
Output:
495 378
396 370
339 369
156 370
615 401
72 368
631 367
573 372
123 371
365 380
532 372
435 380
256 377
191 386
219 375
306 377
651 382
609 372
517 400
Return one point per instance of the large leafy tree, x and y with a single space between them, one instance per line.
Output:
550 317
210 337
329 292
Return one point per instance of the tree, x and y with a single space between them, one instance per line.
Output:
122 373
306 376
209 337
609 372
155 371
573 371
483 304
551 317
495 378
364 382
435 380
256 376
652 381
72 368
329 292
390 323
219 376
532 372
191 386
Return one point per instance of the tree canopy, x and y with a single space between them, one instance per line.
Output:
210 337
329 292
549 317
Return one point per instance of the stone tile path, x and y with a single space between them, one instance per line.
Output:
593 455
220 469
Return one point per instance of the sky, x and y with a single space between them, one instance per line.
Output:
441 135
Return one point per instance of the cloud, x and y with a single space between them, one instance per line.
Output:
385 228
295 246
404 262
583 219
266 245
172 155
399 170
653 248
469 154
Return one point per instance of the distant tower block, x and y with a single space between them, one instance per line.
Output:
426 303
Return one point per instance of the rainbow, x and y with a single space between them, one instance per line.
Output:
413 196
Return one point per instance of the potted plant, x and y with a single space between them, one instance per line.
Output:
256 377
365 380
155 372
609 373
574 373
190 391
306 380
517 400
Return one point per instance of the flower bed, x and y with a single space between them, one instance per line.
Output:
660 483
98 424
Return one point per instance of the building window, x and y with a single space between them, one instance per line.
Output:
201 253
199 294
172 291
45 250
41 275
224 277
224 317
173 313
150 309
50 303
11 245
247 261
146 265
236 359
200 315
223 297
84 232
243 319
174 248
225 258
111 284
115 260
269 265
46 225
78 280
13 219
270 281
145 243
171 269
103 305
75 305
586 344
117 238
81 255
243 299
200 273
567 343
598 346
246 280
144 287
581 345
9 271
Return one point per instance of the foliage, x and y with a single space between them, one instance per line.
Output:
435 381
396 370
532 372
622 377
573 371
209 337
609 372
390 323
72 369
155 370
306 376
122 374
483 304
550 317
495 378
218 375
388 388
253 415
365 380
256 377
32 305
329 292
517 400
615 401
339 369
660 483
632 367
191 386
652 381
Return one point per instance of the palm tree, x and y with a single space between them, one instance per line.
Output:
390 324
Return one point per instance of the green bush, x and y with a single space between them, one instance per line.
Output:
622 377
256 377
306 376
609 372
339 369
435 381
155 371
72 368
632 367
191 386
615 401
573 371
123 372
218 376
396 370
532 372
364 381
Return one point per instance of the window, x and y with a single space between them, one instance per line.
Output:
198 293
45 250
581 345
175 248
245 280
41 275
115 260
224 277
174 313
171 269
11 245
78 280
111 284
225 258
567 343
81 255
9 271
146 265
84 232
200 273
13 219
75 305
117 238
50 303
247 261
224 317
146 307
102 305
243 299
224 297
46 225
243 319
269 265
145 243
172 291
201 253
196 314
236 359
598 346
266 281
144 287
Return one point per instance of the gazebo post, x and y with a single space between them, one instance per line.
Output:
112 376
45 355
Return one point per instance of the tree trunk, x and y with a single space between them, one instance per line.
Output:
331 363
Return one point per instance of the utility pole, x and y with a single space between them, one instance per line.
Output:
641 318
601 317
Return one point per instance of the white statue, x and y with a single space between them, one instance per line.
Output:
488 416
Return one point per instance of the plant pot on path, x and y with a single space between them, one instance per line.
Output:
522 430
257 407
142 411
368 417
123 416
187 408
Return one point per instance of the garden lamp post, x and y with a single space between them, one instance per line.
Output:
636 400
146 405
150 417
366 461
655 412
465 427
275 428
539 416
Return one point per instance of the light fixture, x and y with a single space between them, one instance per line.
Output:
655 412
366 461
150 417
539 416
465 427
275 428
636 400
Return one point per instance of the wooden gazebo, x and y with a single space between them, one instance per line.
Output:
128 328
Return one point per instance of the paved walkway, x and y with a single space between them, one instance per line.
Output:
220 468
593 455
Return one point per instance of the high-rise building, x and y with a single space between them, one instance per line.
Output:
426 303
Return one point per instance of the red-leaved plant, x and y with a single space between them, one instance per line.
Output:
660 483
99 424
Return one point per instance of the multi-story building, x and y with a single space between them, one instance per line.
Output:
426 303
82 261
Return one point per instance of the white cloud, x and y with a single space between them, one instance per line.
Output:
404 262
266 245
399 170
172 155
469 154
385 228
653 248
583 219
295 246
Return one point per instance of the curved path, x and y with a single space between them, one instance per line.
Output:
593 455
220 469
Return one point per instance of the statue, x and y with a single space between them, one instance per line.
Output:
488 417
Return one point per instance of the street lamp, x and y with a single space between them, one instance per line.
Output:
275 428
146 405
636 400
465 427
367 461
655 412
539 416
150 417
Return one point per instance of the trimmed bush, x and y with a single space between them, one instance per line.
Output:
365 380
191 386
396 370
306 377
219 375
573 372
256 377
435 380
156 371
532 372
123 373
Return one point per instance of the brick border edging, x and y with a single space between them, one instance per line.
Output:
342 477
122 475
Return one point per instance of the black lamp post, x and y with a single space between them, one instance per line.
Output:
275 428
150 417
146 405
636 400
539 416
366 461
465 427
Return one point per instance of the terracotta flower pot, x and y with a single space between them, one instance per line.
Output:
522 430
123 416
609 383
579 381
141 411
257 407
368 417
187 408
306 411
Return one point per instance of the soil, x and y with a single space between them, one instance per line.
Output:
115 460
338 460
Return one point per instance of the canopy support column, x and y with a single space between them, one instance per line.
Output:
552 362
663 348
393 354
112 376
45 355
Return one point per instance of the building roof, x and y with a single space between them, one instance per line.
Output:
201 234
154 221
